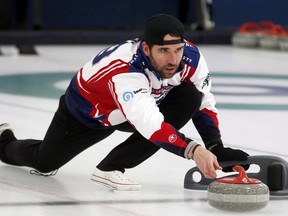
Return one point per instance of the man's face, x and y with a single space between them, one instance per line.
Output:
165 58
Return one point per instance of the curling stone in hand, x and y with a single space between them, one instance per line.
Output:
238 193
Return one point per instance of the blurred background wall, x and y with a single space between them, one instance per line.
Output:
130 15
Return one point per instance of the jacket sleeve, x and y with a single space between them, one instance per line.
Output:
132 94
206 120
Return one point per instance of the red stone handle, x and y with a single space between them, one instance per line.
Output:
242 177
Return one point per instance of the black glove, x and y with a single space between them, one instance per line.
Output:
228 154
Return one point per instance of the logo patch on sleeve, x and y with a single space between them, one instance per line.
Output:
172 138
128 96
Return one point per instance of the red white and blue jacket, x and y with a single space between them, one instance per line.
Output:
119 84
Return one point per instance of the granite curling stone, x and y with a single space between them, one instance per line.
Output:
238 193
248 35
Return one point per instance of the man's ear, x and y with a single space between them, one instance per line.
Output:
145 48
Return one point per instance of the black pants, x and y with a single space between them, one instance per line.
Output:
66 137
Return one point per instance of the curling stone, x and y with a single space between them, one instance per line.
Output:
239 193
273 172
284 43
272 37
248 35
269 42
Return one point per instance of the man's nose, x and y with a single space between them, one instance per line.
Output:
172 59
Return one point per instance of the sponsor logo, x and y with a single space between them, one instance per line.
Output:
206 81
142 90
162 90
128 96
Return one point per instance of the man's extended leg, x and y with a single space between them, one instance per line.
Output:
65 138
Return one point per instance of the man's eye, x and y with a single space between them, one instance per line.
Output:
163 50
179 49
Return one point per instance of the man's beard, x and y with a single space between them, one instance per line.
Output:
161 71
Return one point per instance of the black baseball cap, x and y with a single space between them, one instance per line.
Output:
159 25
